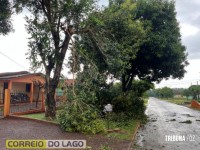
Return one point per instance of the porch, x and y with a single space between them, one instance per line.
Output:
24 92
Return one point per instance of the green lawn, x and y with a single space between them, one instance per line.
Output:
127 129
39 116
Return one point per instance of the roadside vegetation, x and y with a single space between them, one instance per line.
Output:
114 46
117 52
179 101
179 96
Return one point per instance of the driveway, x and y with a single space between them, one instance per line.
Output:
16 129
170 127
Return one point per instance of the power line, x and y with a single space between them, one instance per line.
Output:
12 60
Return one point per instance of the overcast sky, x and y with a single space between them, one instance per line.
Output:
14 45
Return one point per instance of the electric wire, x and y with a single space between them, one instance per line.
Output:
12 60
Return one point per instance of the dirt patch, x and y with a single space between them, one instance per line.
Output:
16 128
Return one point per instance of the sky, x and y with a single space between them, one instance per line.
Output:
14 45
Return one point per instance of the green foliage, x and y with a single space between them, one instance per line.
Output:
194 91
125 105
164 54
126 32
187 93
77 116
127 128
52 24
161 55
131 106
139 87
5 16
165 92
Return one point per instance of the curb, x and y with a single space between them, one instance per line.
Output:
31 119
134 134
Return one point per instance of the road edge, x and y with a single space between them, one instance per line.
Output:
134 134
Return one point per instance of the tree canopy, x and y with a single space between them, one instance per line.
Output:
126 40
5 17
194 90
141 39
162 54
52 25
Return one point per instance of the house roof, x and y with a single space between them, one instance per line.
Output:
69 81
11 75
66 82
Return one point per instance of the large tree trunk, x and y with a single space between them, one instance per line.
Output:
50 104
50 97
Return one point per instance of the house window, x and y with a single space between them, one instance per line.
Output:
28 87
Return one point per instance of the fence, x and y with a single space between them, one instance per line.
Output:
17 103
1 104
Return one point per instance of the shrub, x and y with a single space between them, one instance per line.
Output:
77 116
129 106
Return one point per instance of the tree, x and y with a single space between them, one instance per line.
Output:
52 26
187 93
5 15
162 54
195 90
165 92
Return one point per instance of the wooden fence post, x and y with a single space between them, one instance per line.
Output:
7 103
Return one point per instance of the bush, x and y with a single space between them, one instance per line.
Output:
77 116
129 106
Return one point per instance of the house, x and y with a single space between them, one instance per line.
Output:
21 82
62 87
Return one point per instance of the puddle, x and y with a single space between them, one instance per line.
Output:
140 140
153 119
172 115
187 115
187 121
173 120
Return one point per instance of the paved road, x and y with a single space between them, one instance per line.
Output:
164 130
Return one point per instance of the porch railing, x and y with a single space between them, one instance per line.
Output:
19 97
14 106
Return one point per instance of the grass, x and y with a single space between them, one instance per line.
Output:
127 129
39 116
126 132
146 101
178 101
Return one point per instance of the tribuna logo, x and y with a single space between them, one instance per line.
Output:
175 138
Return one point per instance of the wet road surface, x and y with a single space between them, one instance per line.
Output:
170 127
